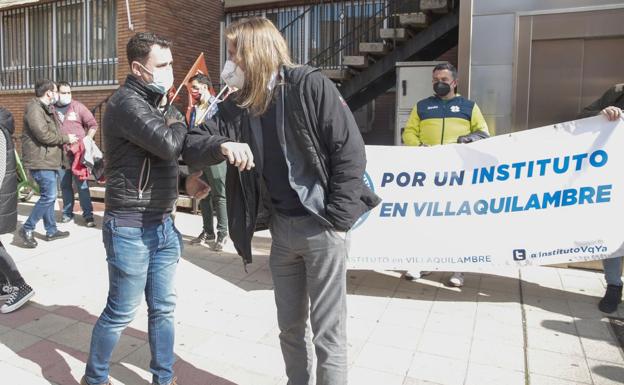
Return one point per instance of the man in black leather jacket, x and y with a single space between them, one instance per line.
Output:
143 139
310 163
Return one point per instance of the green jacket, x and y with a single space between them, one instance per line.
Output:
41 138
613 97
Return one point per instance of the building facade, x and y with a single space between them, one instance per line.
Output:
329 34
84 42
530 63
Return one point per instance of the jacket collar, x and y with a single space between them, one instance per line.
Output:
139 86
49 109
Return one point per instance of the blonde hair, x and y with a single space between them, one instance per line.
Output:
261 49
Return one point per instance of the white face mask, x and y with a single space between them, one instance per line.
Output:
64 100
233 75
162 79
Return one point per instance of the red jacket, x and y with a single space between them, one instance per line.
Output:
77 167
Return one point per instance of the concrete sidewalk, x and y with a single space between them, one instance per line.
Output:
544 329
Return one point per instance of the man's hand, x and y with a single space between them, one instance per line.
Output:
72 138
238 154
169 120
196 187
612 113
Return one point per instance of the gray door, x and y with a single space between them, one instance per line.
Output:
568 74
563 62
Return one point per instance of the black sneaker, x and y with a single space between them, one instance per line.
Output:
611 299
203 237
90 222
220 242
27 238
19 297
5 291
58 235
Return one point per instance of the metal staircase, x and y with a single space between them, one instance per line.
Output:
362 60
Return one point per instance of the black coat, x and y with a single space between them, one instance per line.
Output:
8 188
326 157
141 151
614 96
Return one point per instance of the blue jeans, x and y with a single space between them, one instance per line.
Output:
44 208
140 260
613 270
84 197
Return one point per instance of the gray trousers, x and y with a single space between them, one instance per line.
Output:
308 264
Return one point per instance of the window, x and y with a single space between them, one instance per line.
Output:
73 40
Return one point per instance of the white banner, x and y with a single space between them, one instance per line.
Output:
542 196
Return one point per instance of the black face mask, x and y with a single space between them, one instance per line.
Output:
441 89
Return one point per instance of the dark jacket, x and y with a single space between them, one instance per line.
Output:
42 138
326 168
614 96
141 151
8 184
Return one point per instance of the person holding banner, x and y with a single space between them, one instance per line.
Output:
203 111
310 163
610 105
445 117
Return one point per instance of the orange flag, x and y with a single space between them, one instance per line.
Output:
199 67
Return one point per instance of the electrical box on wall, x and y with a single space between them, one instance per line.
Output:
413 84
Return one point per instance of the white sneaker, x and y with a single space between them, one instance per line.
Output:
414 275
457 280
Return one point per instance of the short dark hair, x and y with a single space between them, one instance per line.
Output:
446 66
63 83
140 45
42 86
201 79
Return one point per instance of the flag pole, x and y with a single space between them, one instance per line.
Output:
177 92
215 101
187 77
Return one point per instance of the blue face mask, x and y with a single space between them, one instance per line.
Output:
162 79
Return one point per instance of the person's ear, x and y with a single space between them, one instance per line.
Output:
136 68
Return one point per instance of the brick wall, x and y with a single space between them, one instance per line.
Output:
193 25
138 15
16 103
89 96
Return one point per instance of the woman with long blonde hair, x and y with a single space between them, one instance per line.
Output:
309 164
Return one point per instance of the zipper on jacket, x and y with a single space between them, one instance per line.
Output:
443 124
143 185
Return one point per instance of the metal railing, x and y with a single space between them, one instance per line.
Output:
367 30
311 30
72 40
